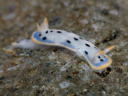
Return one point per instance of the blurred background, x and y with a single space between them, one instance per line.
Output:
54 71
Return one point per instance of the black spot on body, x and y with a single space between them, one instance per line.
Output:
68 41
59 32
86 52
99 57
87 45
46 32
76 39
44 38
51 31
39 34
101 60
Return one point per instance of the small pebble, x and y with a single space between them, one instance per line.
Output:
9 16
64 84
113 12
84 21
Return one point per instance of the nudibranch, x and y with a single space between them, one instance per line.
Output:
97 59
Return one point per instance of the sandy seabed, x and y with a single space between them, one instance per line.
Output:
56 71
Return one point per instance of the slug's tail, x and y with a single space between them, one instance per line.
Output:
105 51
109 49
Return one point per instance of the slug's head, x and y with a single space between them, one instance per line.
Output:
39 37
101 61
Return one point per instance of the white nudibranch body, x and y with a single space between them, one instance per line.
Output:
97 59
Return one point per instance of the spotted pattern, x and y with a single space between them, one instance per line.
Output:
69 43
